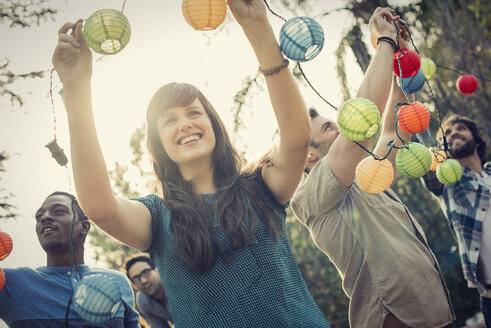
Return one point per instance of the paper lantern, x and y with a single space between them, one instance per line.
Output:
2 279
301 38
373 39
413 162
204 15
412 84
429 68
410 63
97 298
374 176
449 172
6 245
414 118
467 84
107 31
438 156
358 119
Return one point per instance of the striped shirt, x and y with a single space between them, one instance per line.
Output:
465 204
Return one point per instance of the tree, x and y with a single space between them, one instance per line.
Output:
21 14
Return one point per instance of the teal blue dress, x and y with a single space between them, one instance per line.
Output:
261 286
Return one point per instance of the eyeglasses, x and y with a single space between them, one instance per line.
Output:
144 274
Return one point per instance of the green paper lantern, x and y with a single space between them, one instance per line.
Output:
107 31
358 119
449 172
413 162
429 68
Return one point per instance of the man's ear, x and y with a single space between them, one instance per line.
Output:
313 157
85 227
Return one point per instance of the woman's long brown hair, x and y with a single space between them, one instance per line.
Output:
192 222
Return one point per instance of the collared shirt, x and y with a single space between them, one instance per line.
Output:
379 249
38 298
464 204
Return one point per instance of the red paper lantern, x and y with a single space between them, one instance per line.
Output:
2 279
410 63
414 118
6 245
467 84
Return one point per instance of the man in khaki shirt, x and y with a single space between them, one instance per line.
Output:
389 273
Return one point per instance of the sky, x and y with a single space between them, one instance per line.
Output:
163 48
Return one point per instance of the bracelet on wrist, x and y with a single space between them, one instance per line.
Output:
388 40
274 70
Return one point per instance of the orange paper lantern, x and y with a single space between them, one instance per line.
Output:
438 156
204 15
374 176
6 245
2 279
414 118
373 39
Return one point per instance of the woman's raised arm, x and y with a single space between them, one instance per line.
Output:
125 220
289 156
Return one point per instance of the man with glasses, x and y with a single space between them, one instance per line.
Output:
150 296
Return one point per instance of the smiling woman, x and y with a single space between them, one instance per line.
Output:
217 233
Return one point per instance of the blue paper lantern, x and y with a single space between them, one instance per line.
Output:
301 38
412 84
97 298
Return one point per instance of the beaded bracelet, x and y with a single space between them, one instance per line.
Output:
274 70
388 40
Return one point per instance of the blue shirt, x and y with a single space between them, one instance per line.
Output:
39 297
261 286
464 204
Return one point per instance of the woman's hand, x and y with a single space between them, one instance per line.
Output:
72 59
382 24
248 12
403 33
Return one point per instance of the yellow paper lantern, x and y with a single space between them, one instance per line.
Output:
373 39
438 156
107 31
358 119
414 161
374 176
204 15
429 67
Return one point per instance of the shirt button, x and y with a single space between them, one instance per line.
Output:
68 273
483 209
476 248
